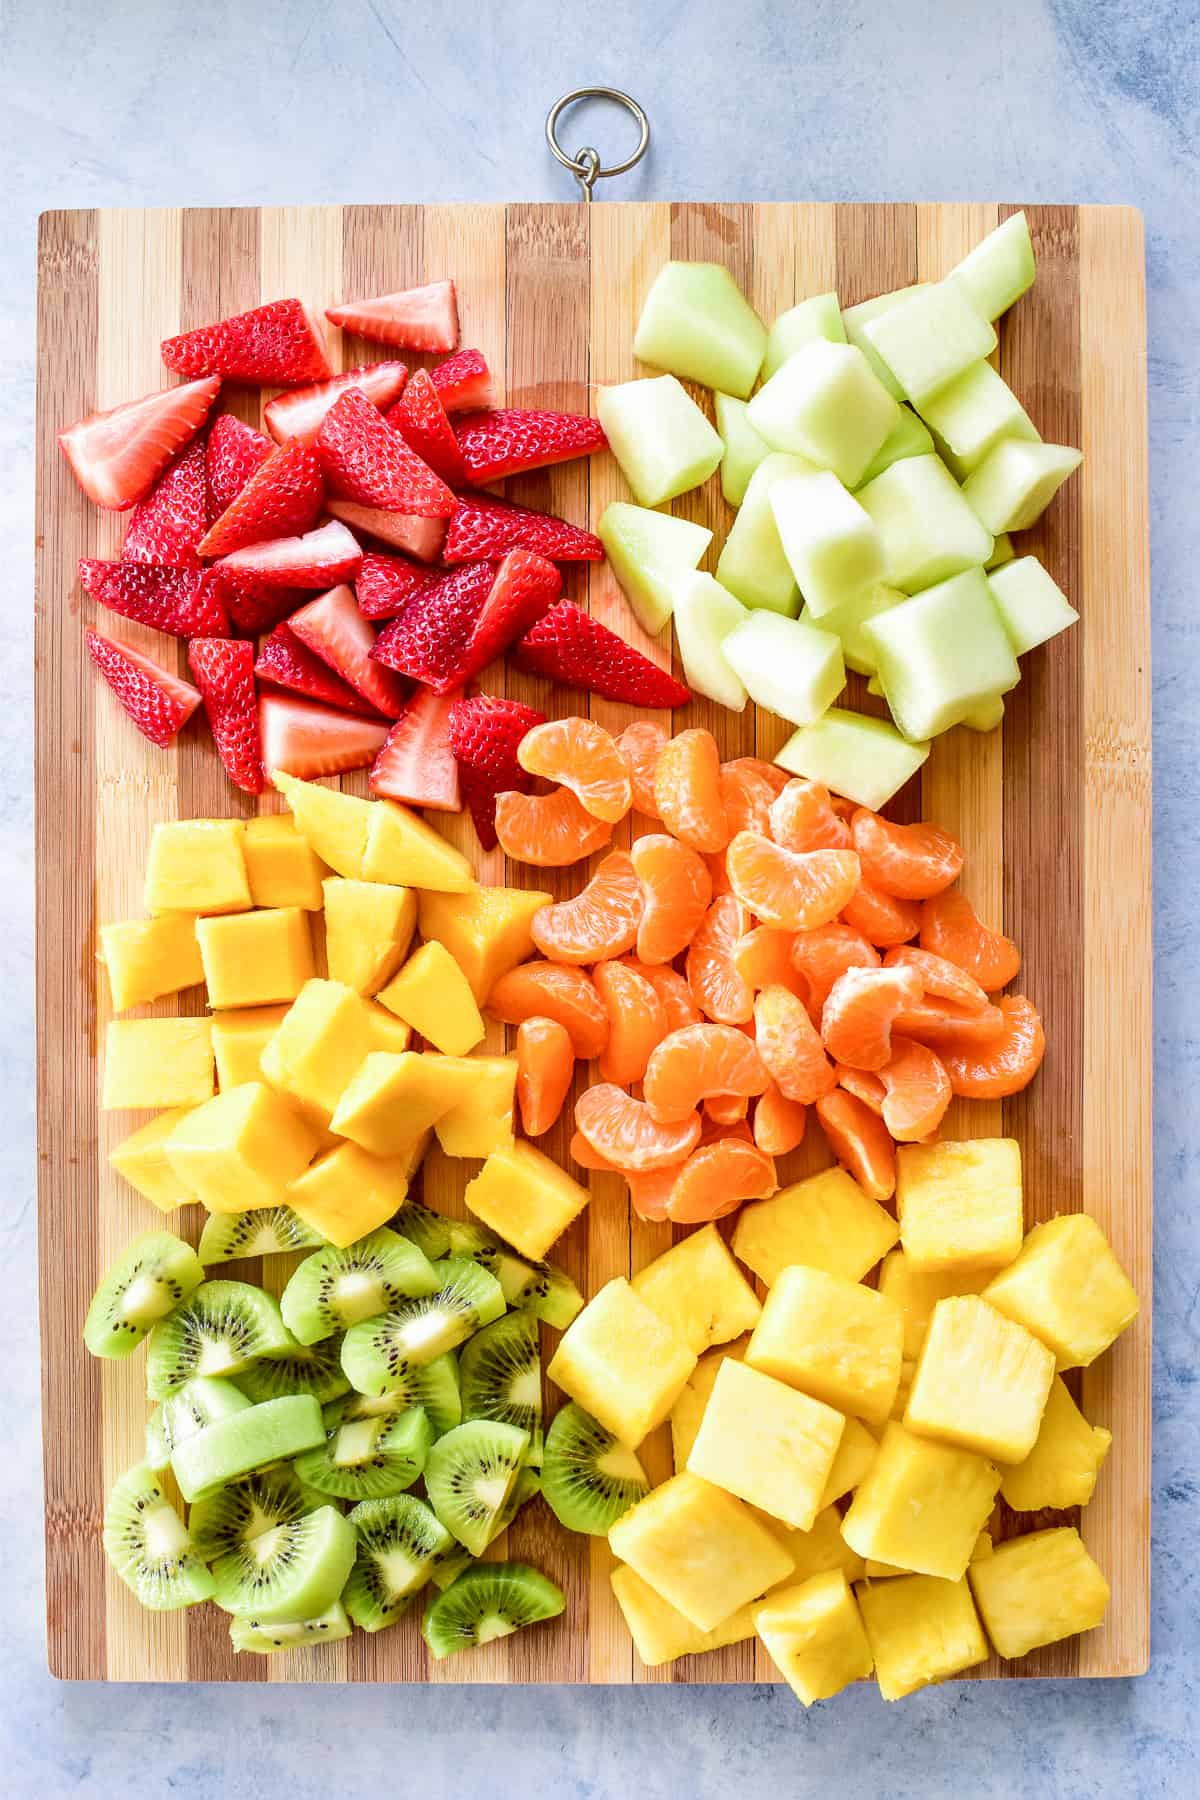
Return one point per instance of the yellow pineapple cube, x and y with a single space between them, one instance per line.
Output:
660 1631
256 958
332 824
1038 1589
1062 1467
239 1151
825 1222
369 926
983 1547
700 1548
403 849
346 1193
432 994
390 1101
142 1159
239 1039
766 1443
486 930
982 1381
319 1046
921 1505
147 958
855 1454
699 1290
960 1204
813 1633
917 1291
822 1548
197 866
625 1367
482 1119
157 1062
526 1198
833 1339
282 867
688 1410
1068 1288
920 1630
908 1369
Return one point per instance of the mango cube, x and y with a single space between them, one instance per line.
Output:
625 1367
698 1289
921 1505
832 1339
387 1032
688 1410
982 1381
917 1291
822 1548
347 1193
813 1633
1035 1590
239 1151
432 994
401 848
766 1443
142 1159
855 1454
332 824
390 1101
197 866
486 930
368 928
826 1222
526 1198
660 1632
1068 1288
283 868
960 1204
147 958
239 1039
920 1630
319 1045
481 1120
157 1062
1062 1467
257 958
700 1548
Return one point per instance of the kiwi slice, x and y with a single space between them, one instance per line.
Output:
588 1478
147 1282
500 1371
470 1474
244 1509
269 1231
291 1634
219 1330
489 1601
427 1229
369 1459
314 1369
399 1541
550 1295
335 1288
491 1253
375 1353
294 1571
433 1386
198 1403
456 1559
150 1547
273 1431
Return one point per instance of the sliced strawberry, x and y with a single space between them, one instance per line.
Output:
184 602
416 764
420 418
297 415
481 529
421 318
422 538
117 456
484 734
287 663
332 627
567 645
386 584
283 496
282 343
512 439
159 703
255 606
366 461
169 523
234 452
319 559
308 740
224 671
464 382
453 628
525 585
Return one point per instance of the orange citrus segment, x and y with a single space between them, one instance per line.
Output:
649 1194
687 790
792 889
910 861
552 991
623 1131
943 980
790 1046
600 921
716 1179
916 1090
763 958
778 1122
637 1020
860 1141
864 1086
583 757
545 1065
993 1071
950 928
678 1002
802 818
881 918
719 990
950 1027
639 745
581 1152
820 956
701 1060
747 795
548 830
775 777
856 1020
726 1109
676 892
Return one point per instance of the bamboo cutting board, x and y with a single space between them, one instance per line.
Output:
1054 810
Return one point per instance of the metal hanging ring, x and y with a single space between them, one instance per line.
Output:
585 165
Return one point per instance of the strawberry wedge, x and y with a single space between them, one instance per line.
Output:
286 663
367 462
255 606
568 645
167 526
185 603
332 627
282 343
420 418
484 734
117 456
416 764
283 496
513 439
422 538
319 559
296 416
159 703
233 453
224 671
464 382
422 318
482 529
385 584
453 628
301 738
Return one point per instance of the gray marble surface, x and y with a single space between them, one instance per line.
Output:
152 102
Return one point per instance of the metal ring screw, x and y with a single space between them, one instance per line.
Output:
585 165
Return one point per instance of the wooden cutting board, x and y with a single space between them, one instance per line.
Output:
1054 810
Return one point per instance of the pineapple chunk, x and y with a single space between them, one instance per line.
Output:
768 1444
984 1547
699 1548
921 1505
917 1291
347 1193
239 1039
368 928
813 1632
855 1454
625 1367
881 1571
908 1369
239 1151
826 1222
320 1044
959 1204
332 824
487 931
281 866
833 1339
1062 1467
402 848
390 1101
688 1410
197 866
432 994
157 1062
660 1631
1035 1590
920 1630
525 1197
482 1119
1068 1288
147 958
698 1289
822 1548
142 1159
982 1381
257 958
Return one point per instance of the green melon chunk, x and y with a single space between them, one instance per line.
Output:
942 652
818 317
705 614
855 319
646 552
986 716
1030 602
659 436
999 269
1015 483
928 531
911 437
793 669
866 760
930 338
744 449
752 564
696 322
848 619
973 412
1002 552
830 541
825 404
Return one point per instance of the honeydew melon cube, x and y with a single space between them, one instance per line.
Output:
941 653
792 669
830 541
974 411
744 449
929 338
825 403
752 564
866 760
696 322
818 317
855 320
1015 483
986 716
705 614
999 269
927 529
911 437
661 439
1031 604
1002 552
848 619
646 552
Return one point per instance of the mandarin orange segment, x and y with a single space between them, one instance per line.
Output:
581 1152
719 990
881 918
993 1071
860 1141
678 1001
553 991
598 922
747 795
687 790
690 1065
951 928
778 1122
802 818
545 1059
676 893
649 1193
864 1086
726 1109
910 861
640 744
548 830
820 956
637 1020
950 1027
790 1046
716 1179
763 958
857 1018
775 777
916 1090
718 874
943 980
583 757
623 1130
795 890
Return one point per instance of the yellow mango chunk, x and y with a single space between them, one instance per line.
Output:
197 866
333 824
390 1101
368 928
387 1031
768 1444
282 867
239 1039
625 1367
703 1550
699 1290
257 958
402 848
482 1119
814 1635
347 1193
239 1151
157 1062
526 1198
147 958
320 1044
487 930
142 1159
432 994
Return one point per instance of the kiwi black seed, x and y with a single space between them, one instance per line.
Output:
334 1288
399 1541
142 1287
427 1229
376 1354
550 1295
500 1371
235 1515
150 1547
588 1478
433 1386
314 1369
491 1253
469 1474
486 1602
270 1231
265 1640
218 1330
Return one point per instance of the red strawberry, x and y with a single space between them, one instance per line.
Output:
117 456
484 734
159 703
233 454
385 584
416 764
481 529
282 343
283 496
224 671
168 524
453 628
367 461
512 439
567 645
332 627
318 559
422 318
253 605
464 382
298 414
422 538
308 740
287 663
184 602
420 418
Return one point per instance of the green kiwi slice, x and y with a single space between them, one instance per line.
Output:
588 1478
294 1571
491 1253
273 1431
399 1541
489 1601
244 1509
427 1229
369 1459
291 1634
377 1352
198 1403
143 1286
469 1474
150 1547
218 1330
432 1386
314 1369
500 1371
456 1559
269 1231
334 1288
550 1295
